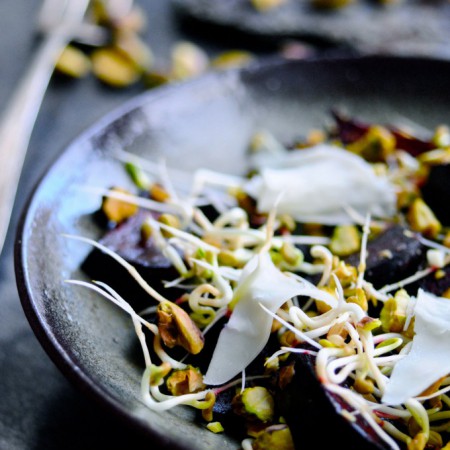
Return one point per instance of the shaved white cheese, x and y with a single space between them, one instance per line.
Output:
429 357
318 185
248 329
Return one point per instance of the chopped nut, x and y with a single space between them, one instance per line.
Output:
73 62
338 329
146 231
234 58
435 157
185 381
345 240
435 440
285 376
266 5
215 427
447 239
288 339
255 403
118 210
376 145
171 221
368 324
291 254
321 306
359 298
177 328
363 385
442 136
188 60
113 68
230 258
346 274
393 314
158 193
316 137
422 219
134 21
132 47
274 437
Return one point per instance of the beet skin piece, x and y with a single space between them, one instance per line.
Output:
314 415
126 240
391 256
436 283
436 192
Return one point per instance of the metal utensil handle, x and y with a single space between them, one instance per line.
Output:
18 120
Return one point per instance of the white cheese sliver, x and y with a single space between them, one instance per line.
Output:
248 329
318 183
429 357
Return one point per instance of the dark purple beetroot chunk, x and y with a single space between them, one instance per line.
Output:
313 414
436 192
349 130
391 257
126 240
436 283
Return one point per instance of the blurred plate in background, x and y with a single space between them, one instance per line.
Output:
408 27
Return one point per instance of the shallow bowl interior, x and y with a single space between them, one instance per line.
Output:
207 123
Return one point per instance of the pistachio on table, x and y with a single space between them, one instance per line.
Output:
73 62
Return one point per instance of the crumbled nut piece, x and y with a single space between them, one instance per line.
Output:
177 328
345 240
255 403
118 210
275 436
422 219
185 381
73 62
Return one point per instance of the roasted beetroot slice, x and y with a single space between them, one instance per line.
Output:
126 240
391 256
349 130
314 416
436 192
436 283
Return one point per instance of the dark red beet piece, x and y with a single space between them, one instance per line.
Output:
314 415
126 240
436 192
349 130
391 256
436 283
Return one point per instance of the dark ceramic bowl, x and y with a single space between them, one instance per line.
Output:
409 27
206 122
